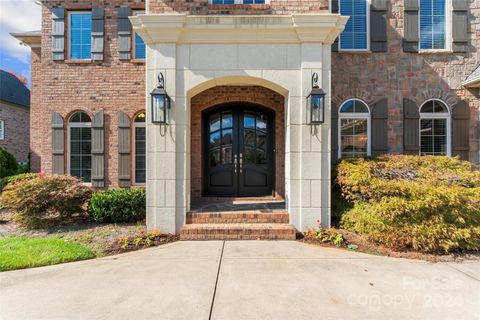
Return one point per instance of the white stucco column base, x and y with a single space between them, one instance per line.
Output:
196 53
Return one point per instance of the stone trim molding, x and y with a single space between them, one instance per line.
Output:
183 28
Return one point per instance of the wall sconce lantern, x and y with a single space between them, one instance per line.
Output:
316 102
160 102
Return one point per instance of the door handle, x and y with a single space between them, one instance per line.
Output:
235 163
241 162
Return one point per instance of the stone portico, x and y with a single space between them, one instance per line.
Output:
279 53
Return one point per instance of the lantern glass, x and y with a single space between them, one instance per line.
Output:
159 108
317 108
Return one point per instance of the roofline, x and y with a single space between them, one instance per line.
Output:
31 38
472 83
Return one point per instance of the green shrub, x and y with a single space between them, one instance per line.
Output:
118 205
43 198
11 180
429 204
8 164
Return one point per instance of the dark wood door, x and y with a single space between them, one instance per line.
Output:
239 152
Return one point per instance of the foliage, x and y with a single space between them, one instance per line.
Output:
329 235
8 164
428 204
35 201
11 180
118 205
141 240
22 252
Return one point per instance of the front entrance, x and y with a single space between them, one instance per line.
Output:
239 151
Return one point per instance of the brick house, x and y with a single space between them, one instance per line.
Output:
242 123
14 116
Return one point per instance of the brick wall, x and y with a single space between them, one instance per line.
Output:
419 76
16 134
273 7
66 86
223 94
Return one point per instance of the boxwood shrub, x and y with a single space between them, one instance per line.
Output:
429 204
8 164
118 205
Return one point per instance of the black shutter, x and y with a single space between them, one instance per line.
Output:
411 127
335 10
98 159
334 132
461 130
460 26
380 127
124 146
378 26
124 33
58 144
411 33
58 33
97 33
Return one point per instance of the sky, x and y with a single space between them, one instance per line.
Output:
17 16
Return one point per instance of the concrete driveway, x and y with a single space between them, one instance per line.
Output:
243 280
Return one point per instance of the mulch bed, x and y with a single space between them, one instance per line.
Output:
366 246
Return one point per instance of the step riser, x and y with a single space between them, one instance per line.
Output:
237 236
203 218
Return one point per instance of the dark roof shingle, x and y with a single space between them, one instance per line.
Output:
13 90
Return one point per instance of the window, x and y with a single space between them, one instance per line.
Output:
2 129
139 149
80 146
433 17
80 35
237 1
354 133
434 129
355 35
138 45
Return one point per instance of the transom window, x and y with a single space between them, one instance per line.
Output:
237 1
139 148
434 129
80 35
355 34
354 133
80 146
433 17
139 45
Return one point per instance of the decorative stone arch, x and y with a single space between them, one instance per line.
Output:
222 94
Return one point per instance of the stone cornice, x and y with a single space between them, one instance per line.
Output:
182 28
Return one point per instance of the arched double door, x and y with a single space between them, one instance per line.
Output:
238 151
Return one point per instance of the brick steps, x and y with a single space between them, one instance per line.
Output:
237 217
238 231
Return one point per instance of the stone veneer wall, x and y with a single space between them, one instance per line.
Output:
419 76
67 86
16 134
223 94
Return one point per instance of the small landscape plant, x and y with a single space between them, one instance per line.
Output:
11 180
36 201
8 164
330 235
118 205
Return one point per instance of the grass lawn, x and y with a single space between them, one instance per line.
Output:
23 252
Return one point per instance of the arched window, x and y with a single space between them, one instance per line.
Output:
354 133
80 146
435 129
139 149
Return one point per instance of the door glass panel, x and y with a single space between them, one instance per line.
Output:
227 120
214 158
261 157
249 121
249 137
261 122
214 139
249 156
215 122
227 136
261 140
227 155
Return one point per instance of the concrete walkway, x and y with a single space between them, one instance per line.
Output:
243 280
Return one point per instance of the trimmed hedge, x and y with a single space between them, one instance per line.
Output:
429 204
118 205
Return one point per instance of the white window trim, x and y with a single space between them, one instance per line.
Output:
368 4
134 47
136 125
70 35
75 125
430 116
354 115
239 2
2 132
448 30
